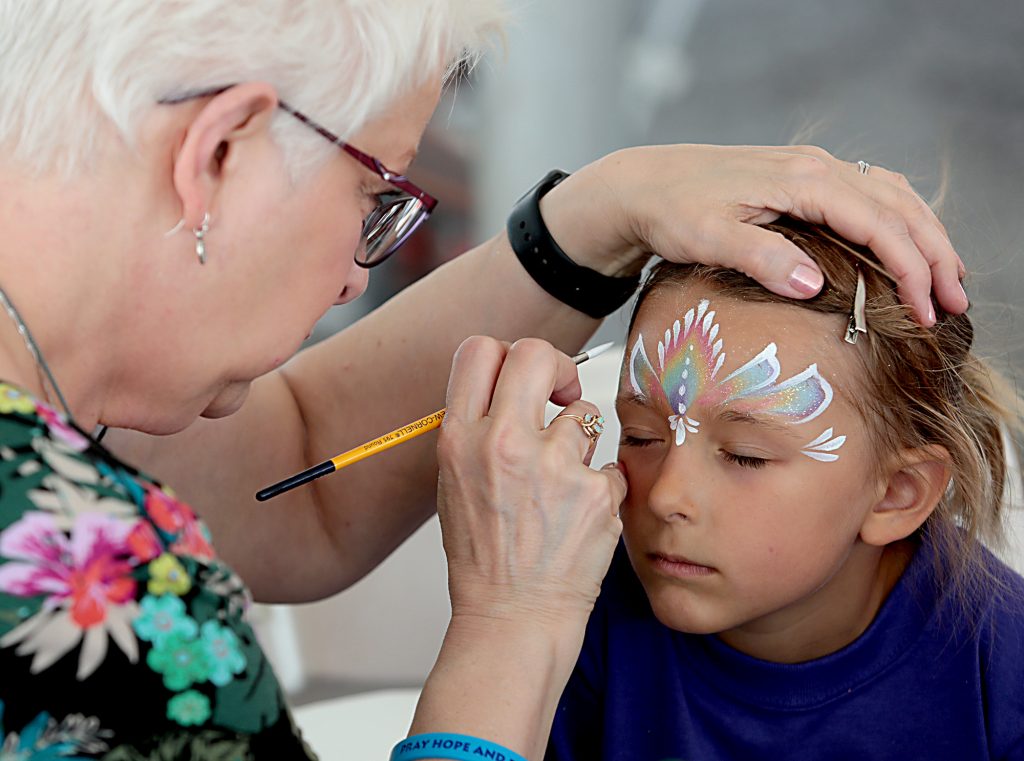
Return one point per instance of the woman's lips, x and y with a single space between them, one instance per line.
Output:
679 567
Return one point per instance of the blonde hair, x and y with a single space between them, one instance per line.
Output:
922 386
70 70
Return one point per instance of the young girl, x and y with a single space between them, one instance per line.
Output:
801 575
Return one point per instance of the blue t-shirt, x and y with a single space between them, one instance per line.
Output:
921 683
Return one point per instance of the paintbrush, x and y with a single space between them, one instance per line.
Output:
388 440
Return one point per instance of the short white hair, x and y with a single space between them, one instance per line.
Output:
74 72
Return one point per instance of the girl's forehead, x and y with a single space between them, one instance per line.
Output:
740 330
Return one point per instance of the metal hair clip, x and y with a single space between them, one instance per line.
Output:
858 324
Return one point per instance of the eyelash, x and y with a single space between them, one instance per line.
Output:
743 460
633 441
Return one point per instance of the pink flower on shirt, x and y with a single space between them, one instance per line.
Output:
85 572
60 429
86 579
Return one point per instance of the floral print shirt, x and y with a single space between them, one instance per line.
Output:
122 637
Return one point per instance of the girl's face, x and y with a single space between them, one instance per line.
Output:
750 472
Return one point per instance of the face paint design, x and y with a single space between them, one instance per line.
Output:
822 447
690 356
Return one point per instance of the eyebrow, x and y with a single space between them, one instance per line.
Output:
763 421
767 422
634 399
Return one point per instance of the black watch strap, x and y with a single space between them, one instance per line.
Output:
582 288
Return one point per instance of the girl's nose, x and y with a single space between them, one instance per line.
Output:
675 495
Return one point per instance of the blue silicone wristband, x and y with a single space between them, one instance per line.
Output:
454 747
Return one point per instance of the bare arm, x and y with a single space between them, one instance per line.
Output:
688 203
389 368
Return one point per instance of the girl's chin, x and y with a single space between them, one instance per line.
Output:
687 615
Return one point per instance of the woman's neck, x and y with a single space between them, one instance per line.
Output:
59 286
831 617
24 362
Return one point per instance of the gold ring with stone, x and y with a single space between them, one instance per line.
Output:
592 425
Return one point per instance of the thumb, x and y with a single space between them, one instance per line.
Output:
774 262
617 484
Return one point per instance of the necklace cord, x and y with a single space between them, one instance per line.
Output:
33 348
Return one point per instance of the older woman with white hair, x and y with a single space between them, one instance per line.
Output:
185 188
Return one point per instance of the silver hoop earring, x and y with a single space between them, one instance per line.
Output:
176 229
200 233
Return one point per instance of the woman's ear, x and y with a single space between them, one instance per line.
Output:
916 482
223 123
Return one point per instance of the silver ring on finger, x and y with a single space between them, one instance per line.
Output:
864 167
592 425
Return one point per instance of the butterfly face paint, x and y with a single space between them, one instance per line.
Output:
690 356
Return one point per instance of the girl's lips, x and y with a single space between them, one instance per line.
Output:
679 567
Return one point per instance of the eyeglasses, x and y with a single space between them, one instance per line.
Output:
398 214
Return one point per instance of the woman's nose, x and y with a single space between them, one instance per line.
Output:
355 285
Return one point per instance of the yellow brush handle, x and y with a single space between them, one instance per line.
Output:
388 440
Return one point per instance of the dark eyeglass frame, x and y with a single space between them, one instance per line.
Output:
411 199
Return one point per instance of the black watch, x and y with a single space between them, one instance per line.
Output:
582 288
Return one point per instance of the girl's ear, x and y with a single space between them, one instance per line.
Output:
917 481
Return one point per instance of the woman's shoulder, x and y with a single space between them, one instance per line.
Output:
120 631
56 479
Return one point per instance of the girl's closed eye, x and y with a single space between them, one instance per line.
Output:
745 461
629 440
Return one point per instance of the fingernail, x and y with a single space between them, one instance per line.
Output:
806 279
967 301
931 314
